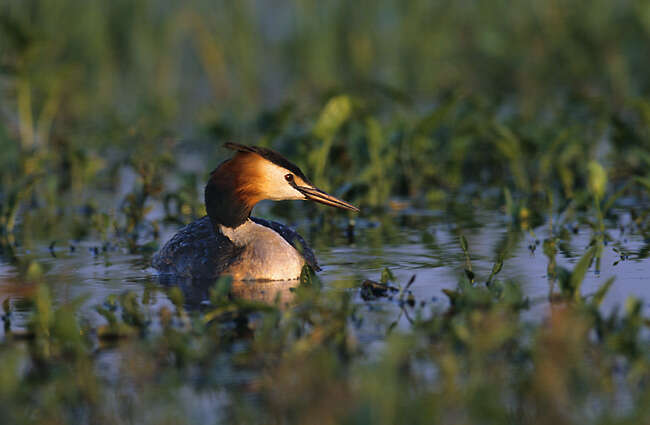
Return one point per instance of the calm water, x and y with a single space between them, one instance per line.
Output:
409 242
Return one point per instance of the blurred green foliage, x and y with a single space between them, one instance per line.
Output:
385 98
477 361
389 104
124 57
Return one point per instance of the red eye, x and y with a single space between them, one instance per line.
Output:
288 177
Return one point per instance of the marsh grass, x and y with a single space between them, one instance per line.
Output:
477 359
394 106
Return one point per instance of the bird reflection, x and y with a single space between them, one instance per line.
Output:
197 291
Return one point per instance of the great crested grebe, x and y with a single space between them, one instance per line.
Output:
228 241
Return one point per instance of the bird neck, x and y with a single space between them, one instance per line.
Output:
228 201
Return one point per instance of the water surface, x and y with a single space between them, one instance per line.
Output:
408 242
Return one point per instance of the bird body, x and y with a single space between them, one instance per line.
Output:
257 250
266 255
228 240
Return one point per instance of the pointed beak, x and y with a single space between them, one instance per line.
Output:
318 195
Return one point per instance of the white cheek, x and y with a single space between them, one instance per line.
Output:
285 192
276 187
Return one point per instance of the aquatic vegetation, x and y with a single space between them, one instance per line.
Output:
477 359
429 115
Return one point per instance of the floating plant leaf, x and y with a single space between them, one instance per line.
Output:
387 276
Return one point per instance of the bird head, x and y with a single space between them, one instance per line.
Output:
255 174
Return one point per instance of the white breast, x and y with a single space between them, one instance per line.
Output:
266 255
